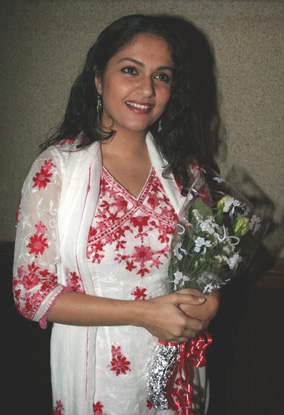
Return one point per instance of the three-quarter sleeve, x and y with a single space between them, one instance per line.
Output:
35 283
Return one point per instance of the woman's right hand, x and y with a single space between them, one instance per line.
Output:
165 320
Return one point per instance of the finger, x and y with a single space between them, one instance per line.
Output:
192 291
194 312
191 299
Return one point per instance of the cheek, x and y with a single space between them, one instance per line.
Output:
116 88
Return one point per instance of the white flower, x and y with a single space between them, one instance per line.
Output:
218 179
207 226
207 276
230 203
227 204
209 288
234 261
179 280
179 251
200 242
255 223
197 215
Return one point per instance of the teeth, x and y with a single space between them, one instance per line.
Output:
140 106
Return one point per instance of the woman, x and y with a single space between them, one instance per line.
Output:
96 218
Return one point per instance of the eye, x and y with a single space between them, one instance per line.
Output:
131 70
162 76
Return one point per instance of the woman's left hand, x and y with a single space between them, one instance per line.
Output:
205 312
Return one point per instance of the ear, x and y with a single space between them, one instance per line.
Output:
99 84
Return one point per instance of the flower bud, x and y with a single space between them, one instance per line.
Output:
241 227
221 202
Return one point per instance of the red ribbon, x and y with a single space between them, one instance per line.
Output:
179 387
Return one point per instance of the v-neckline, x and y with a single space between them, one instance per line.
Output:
125 191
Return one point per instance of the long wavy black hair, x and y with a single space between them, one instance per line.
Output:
190 122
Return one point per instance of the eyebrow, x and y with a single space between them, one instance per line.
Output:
171 68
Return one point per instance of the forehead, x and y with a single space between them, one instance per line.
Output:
146 47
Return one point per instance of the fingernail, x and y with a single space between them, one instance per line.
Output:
201 300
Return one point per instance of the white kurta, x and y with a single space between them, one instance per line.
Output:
59 199
130 240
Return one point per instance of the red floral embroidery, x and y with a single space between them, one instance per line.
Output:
66 141
130 265
142 254
38 243
119 362
149 404
58 409
139 293
31 286
40 228
116 217
140 222
98 408
42 178
75 282
96 250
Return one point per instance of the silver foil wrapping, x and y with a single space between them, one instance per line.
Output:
160 369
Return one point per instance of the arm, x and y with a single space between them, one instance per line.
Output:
35 282
161 316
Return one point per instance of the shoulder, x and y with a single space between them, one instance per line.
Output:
62 163
69 151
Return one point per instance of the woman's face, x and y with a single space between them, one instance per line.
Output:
136 85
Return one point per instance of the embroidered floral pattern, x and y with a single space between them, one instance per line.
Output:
119 214
31 286
98 408
139 293
75 282
42 178
119 363
66 141
149 404
38 243
58 409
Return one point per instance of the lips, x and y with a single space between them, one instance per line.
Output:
139 108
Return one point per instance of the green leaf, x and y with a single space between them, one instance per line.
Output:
202 208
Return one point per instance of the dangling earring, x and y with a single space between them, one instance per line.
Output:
99 110
99 103
160 125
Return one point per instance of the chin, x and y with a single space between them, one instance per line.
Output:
138 128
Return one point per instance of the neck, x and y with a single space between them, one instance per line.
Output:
126 145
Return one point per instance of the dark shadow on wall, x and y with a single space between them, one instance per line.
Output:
240 178
246 360
26 382
204 92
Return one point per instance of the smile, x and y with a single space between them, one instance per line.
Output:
139 107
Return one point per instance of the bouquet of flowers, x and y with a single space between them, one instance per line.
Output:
215 238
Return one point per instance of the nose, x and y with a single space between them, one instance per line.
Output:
147 86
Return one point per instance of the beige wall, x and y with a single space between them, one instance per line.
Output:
44 44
